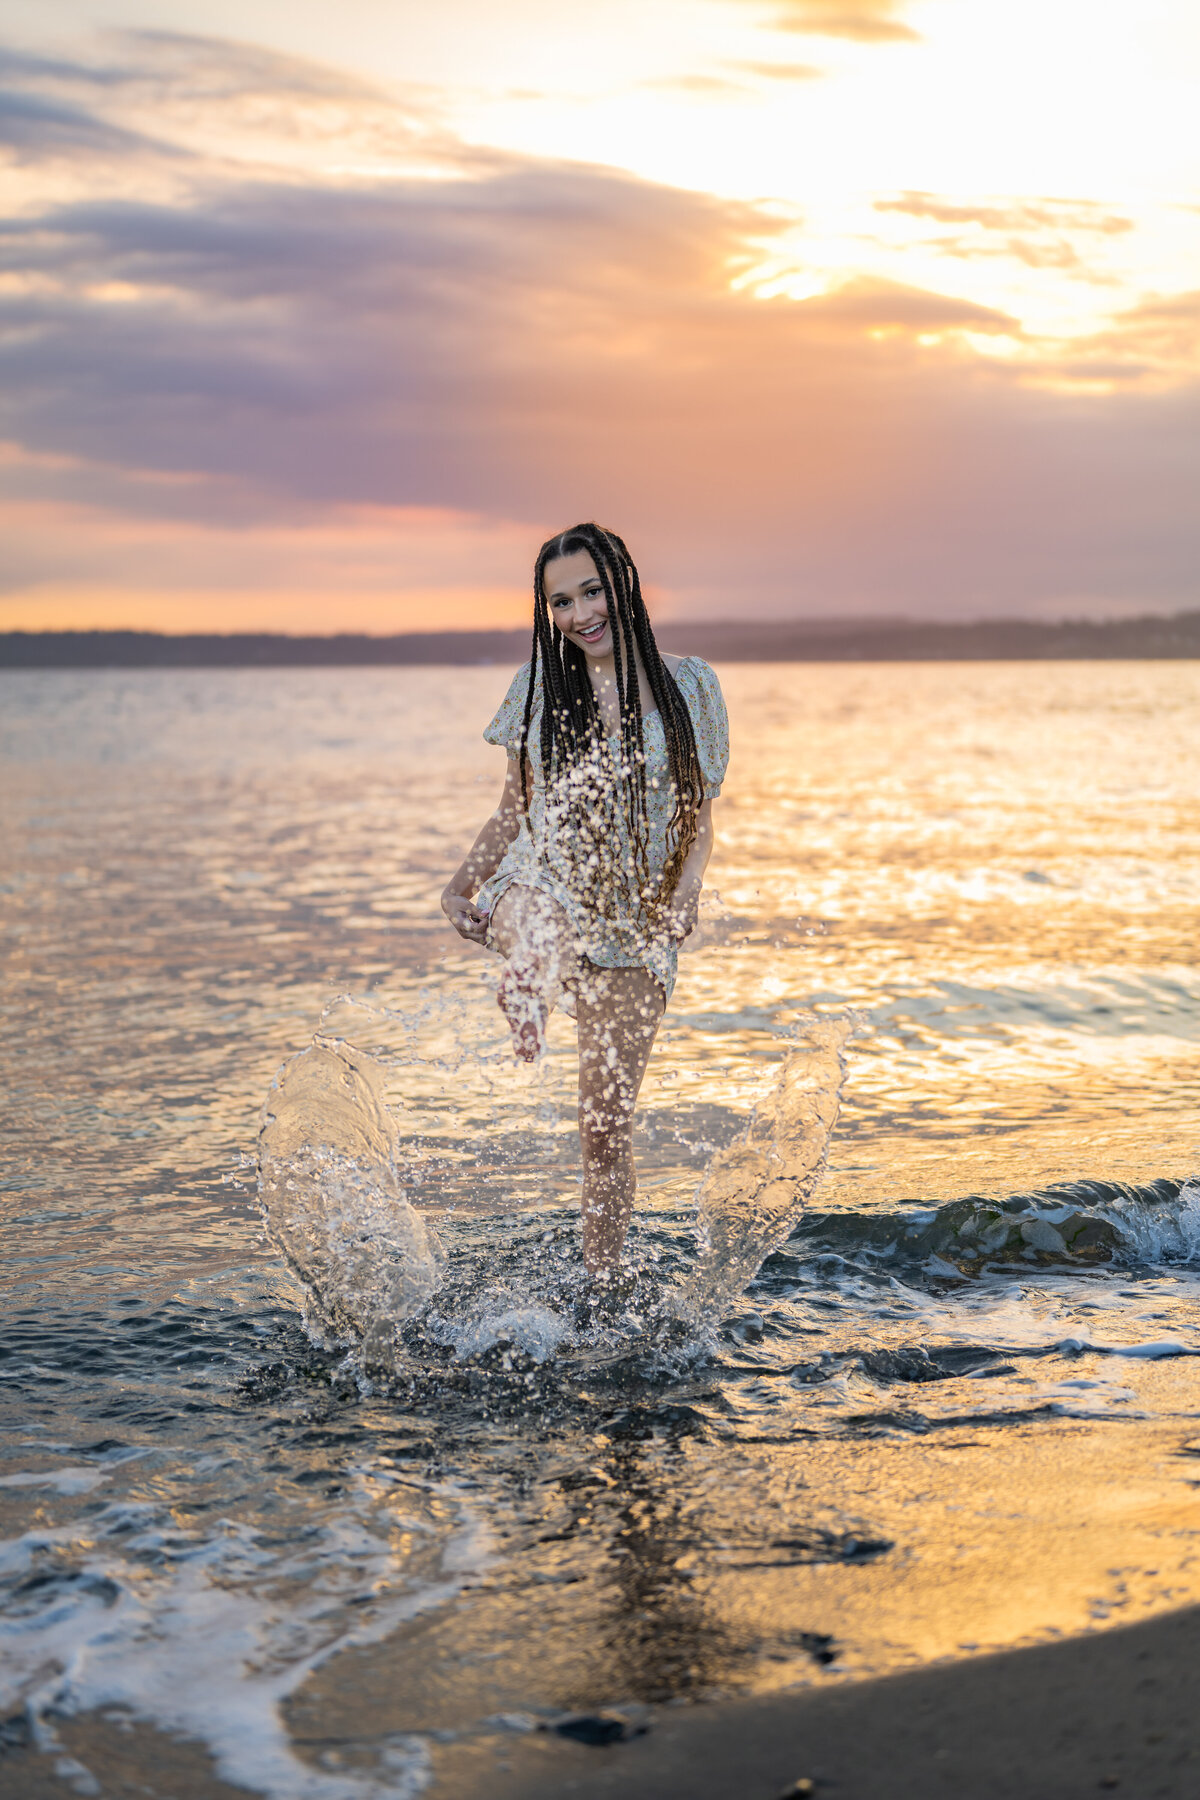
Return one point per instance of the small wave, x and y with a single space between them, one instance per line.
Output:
1152 1352
208 1636
59 1481
1075 1226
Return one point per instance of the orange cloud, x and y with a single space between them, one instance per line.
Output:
1038 233
701 86
864 21
706 87
1166 328
787 71
1011 215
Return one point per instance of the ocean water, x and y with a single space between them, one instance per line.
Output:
303 1390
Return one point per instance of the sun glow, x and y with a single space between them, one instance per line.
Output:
998 111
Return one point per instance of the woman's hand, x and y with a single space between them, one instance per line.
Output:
465 917
683 912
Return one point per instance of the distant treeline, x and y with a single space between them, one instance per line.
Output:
802 640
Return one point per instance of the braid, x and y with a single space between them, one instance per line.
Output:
571 727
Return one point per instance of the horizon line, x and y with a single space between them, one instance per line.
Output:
818 624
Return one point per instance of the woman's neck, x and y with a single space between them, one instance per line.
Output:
602 673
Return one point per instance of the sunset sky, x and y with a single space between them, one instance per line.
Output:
321 316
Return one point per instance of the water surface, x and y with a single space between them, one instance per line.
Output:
235 1525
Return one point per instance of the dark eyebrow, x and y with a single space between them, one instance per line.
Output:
592 581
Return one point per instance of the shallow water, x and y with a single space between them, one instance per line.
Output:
226 1488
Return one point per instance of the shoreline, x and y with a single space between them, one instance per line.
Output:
986 1656
1111 1712
1155 637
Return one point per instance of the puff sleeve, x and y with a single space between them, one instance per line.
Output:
705 702
505 728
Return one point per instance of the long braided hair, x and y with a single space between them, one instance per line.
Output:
575 755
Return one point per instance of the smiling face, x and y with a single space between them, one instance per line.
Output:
575 596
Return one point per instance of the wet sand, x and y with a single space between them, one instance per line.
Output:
1118 1712
991 1652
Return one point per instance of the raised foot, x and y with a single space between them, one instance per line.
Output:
525 1009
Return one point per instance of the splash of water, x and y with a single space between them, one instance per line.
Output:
755 1190
336 1210
333 1203
531 1330
1167 1233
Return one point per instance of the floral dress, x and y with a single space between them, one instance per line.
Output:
534 859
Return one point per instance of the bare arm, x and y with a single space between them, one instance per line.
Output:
483 859
685 901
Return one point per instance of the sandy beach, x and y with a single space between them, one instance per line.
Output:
1112 1713
1074 1542
1054 1538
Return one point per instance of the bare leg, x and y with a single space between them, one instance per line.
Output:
618 1012
536 938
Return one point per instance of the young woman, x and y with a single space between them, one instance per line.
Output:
588 874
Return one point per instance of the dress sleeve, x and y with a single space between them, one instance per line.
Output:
705 702
505 728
